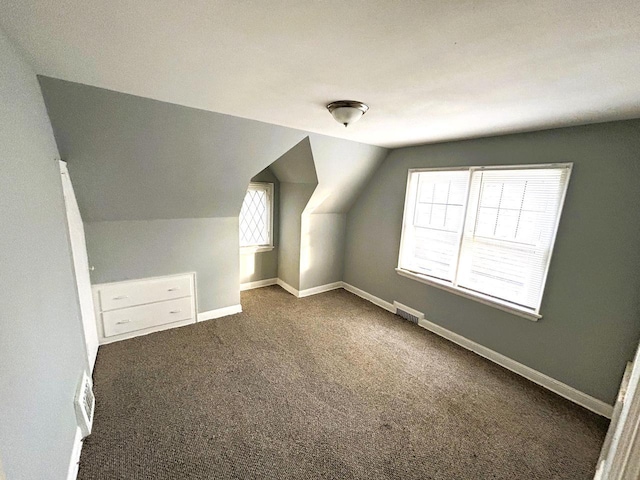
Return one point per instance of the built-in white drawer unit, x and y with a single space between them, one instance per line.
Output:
127 294
137 307
131 319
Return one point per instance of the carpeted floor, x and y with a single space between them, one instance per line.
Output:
324 387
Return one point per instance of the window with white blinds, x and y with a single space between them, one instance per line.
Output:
433 222
487 232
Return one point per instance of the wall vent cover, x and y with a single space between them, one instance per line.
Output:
408 313
85 404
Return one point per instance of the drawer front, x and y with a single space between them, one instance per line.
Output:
128 294
144 316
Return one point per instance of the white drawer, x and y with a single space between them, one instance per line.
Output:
128 294
131 319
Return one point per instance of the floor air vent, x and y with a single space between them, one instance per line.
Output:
85 404
408 313
407 316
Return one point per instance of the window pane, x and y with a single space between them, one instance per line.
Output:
433 222
490 230
486 222
255 217
435 252
491 194
507 224
509 231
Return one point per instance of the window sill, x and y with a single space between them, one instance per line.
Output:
478 297
257 249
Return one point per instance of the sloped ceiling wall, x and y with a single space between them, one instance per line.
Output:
134 158
296 171
297 165
343 168
160 186
320 178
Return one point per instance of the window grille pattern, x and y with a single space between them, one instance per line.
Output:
488 230
255 216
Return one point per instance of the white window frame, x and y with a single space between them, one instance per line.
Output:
268 188
530 314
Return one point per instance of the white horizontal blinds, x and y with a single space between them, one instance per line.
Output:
254 217
509 232
434 226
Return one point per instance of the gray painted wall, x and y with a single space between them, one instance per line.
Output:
264 265
296 165
322 249
160 186
293 200
591 320
138 160
296 171
141 159
147 248
343 168
42 353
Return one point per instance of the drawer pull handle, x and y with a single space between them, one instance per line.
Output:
173 289
175 311
123 321
121 297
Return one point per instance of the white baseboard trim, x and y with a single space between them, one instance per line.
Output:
367 296
288 288
219 312
74 462
570 393
562 389
258 284
320 289
309 291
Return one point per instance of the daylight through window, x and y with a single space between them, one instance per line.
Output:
486 232
256 217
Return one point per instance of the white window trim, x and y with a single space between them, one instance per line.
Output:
256 249
250 249
530 314
479 297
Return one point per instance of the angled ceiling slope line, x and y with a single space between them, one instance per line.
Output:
344 168
339 168
134 158
296 165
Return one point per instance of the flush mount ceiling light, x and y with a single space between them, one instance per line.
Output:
347 111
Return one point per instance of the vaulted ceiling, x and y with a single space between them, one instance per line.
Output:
431 70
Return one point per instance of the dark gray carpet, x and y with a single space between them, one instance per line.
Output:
326 387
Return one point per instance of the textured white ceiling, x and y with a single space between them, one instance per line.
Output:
430 70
